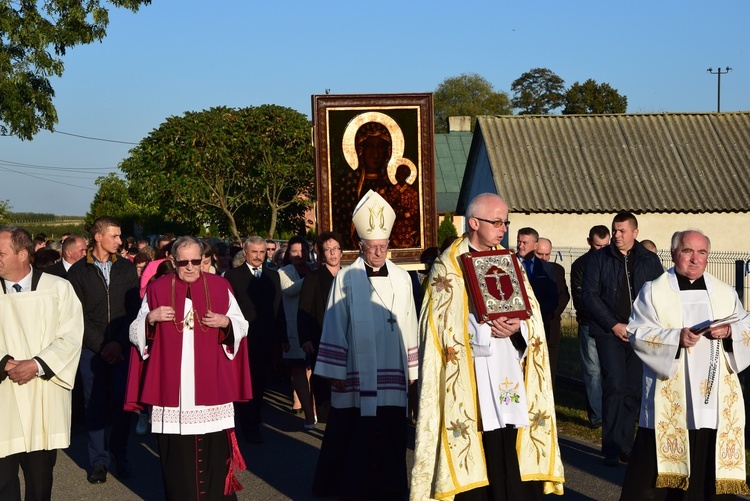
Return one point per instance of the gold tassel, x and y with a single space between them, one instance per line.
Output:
672 481
730 486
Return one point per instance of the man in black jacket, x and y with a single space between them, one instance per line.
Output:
107 286
540 273
552 326
73 249
592 380
613 277
257 289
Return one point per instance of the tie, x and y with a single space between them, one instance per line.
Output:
17 287
527 264
256 272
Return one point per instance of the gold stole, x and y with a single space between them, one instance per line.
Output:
670 404
449 457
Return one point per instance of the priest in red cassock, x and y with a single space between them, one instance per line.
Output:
189 365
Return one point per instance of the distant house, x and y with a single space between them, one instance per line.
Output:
562 174
451 152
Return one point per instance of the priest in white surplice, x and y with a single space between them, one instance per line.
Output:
41 331
691 430
368 349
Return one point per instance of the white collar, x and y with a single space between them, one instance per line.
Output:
25 283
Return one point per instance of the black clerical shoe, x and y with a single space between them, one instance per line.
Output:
611 461
624 457
98 475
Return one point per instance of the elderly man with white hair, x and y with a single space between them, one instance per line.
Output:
190 364
368 349
692 333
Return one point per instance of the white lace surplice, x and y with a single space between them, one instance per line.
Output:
189 418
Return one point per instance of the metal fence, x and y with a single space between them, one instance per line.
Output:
730 267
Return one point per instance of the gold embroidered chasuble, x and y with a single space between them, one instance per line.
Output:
654 330
449 456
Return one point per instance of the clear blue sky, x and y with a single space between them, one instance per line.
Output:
188 55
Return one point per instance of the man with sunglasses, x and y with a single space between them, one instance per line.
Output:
486 426
190 364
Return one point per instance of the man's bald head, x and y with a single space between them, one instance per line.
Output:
543 249
487 217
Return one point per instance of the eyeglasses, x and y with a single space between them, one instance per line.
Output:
185 262
331 250
498 223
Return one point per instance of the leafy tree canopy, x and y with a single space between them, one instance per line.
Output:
467 95
234 168
34 35
4 211
113 199
592 98
538 92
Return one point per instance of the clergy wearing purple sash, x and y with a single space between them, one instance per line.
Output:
189 364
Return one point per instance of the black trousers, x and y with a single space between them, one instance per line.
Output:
194 467
503 472
622 373
37 469
248 414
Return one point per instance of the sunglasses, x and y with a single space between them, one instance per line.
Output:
185 262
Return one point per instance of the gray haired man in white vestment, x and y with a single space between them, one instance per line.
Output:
693 336
368 349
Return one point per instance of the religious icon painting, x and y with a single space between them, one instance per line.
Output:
495 285
384 143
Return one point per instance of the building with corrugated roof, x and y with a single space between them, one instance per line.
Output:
562 174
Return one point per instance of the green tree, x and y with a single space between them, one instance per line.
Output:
112 199
467 95
33 38
236 168
4 211
538 92
446 228
592 98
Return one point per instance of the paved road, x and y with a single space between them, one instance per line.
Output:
282 467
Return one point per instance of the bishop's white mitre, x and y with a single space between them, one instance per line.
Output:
373 217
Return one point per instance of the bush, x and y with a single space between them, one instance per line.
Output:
446 228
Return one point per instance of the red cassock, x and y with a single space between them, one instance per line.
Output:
218 380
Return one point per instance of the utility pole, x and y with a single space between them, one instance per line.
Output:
718 92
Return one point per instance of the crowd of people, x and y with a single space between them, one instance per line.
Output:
185 333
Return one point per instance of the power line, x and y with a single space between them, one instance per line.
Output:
94 138
45 179
56 168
